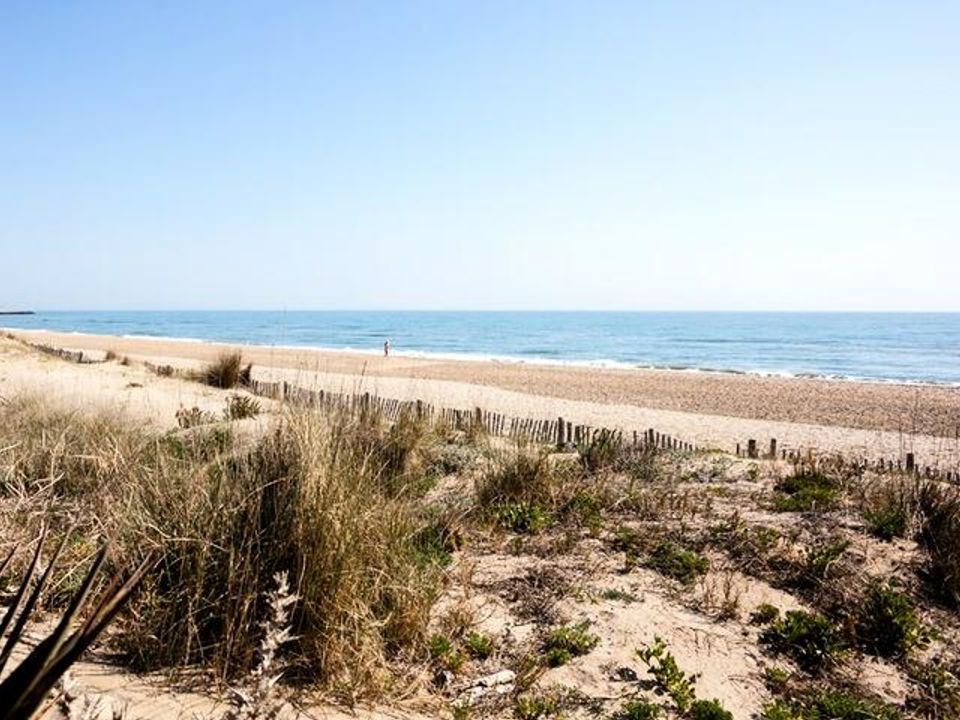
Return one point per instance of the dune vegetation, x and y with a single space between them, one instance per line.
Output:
401 561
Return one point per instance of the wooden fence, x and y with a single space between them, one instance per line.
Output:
907 463
555 430
562 432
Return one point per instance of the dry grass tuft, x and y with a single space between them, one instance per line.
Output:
226 372
315 495
335 496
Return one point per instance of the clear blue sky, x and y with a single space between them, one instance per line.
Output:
486 155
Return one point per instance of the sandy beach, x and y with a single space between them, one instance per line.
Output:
710 409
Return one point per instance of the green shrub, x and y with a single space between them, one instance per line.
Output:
807 491
937 690
667 675
775 678
830 705
445 653
810 639
764 614
709 710
820 558
886 624
479 645
779 710
621 595
638 710
534 707
566 643
521 517
586 509
887 523
676 562
836 705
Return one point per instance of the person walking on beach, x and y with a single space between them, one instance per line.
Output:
386 347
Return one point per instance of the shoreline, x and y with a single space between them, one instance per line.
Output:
431 356
747 400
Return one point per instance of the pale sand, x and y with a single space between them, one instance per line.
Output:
710 409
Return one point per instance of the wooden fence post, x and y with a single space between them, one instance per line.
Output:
752 449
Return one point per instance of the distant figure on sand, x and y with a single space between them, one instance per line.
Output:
386 347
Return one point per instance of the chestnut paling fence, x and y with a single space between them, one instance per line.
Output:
563 433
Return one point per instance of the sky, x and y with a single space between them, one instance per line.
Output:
480 155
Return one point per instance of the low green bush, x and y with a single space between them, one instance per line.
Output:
479 645
521 517
446 654
886 623
810 639
709 710
534 707
764 614
830 705
566 643
887 523
638 710
807 491
676 562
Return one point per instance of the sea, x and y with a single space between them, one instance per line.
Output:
883 347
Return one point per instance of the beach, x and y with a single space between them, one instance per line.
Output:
721 410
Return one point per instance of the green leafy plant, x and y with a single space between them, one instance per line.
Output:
566 643
521 517
709 710
820 559
479 645
886 623
676 562
764 614
779 710
638 710
829 705
621 595
586 509
810 639
837 705
776 678
667 675
446 654
936 694
887 523
807 491
534 707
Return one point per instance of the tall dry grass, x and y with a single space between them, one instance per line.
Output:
333 497
226 372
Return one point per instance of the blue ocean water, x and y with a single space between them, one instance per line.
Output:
914 347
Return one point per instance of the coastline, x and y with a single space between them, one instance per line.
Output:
531 361
903 409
